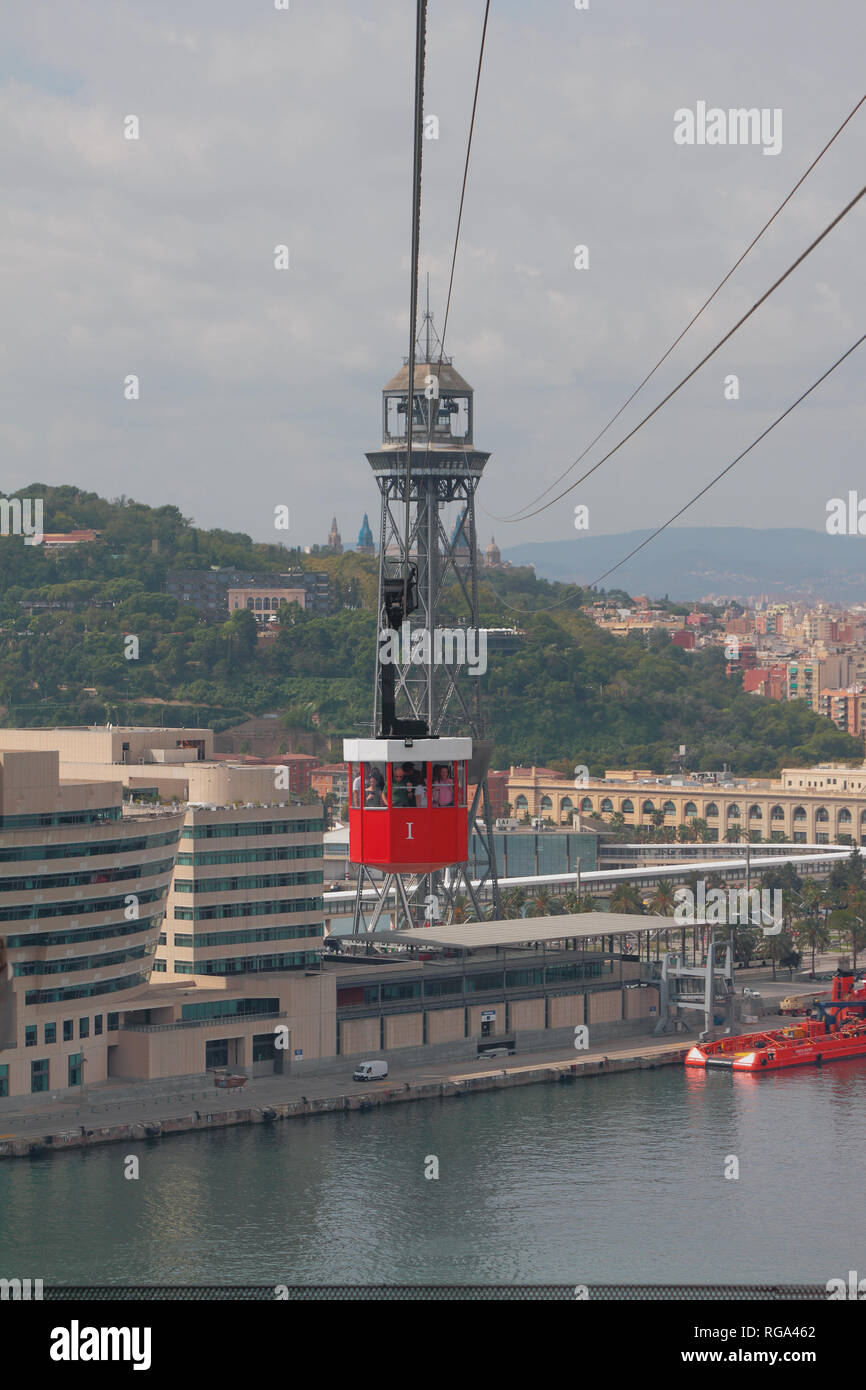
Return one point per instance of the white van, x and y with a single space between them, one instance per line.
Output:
370 1071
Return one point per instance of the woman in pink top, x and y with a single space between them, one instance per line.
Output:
443 786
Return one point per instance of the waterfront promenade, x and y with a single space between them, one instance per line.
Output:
113 1112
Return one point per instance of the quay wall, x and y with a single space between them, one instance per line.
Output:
451 1088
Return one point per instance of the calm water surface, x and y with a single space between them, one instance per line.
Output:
619 1179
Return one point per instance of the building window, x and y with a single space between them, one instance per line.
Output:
628 807
648 808
74 1069
159 966
4 1080
264 1047
51 1032
97 1024
434 988
84 1028
777 813
67 1030
712 811
223 1008
690 809
411 990
844 817
113 1022
518 979
822 814
755 813
30 1035
479 983
38 1076
669 808
216 1053
733 812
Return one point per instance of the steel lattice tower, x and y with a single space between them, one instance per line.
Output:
443 696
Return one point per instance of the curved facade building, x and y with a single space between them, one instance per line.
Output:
82 896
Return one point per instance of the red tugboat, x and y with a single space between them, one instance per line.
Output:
839 1030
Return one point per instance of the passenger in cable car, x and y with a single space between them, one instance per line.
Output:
443 786
375 788
419 778
402 787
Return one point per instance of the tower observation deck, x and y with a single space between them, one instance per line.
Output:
436 666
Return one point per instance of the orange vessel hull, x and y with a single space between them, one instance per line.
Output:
800 1046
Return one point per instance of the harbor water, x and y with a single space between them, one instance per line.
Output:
618 1179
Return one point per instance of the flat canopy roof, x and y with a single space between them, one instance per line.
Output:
472 935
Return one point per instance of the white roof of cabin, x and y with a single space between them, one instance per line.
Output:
401 750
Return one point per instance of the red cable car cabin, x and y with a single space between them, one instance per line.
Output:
407 802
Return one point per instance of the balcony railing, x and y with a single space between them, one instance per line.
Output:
197 1022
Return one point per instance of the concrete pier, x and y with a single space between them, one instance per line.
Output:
31 1133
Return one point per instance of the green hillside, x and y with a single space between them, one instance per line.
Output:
571 694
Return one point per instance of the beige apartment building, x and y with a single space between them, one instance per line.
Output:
823 805
246 893
238 915
82 898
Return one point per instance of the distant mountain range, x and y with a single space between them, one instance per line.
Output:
692 562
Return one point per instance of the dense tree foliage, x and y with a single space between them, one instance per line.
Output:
571 693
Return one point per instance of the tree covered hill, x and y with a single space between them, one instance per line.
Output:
571 693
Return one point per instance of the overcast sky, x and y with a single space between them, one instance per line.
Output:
261 387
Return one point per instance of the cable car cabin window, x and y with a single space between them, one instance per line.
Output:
409 784
356 783
461 784
374 785
443 784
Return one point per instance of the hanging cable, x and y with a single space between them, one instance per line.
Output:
732 464
752 244
698 495
720 344
431 411
465 178
418 133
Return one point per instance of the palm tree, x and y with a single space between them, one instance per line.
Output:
461 907
662 902
543 904
513 903
625 898
855 909
778 948
812 934
745 943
